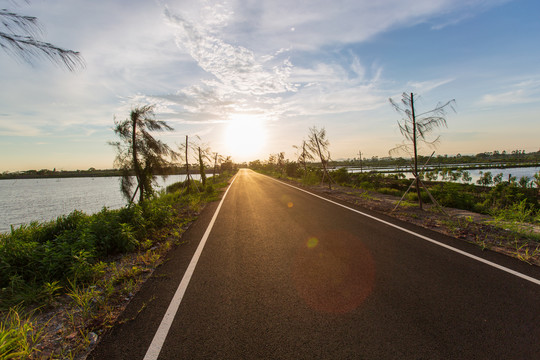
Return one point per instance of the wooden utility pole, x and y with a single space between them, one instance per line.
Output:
360 154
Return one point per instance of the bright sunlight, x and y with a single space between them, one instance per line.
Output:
245 136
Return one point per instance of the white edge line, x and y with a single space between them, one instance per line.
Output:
161 334
497 266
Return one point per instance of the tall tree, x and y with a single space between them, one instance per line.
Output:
140 153
318 145
20 36
415 127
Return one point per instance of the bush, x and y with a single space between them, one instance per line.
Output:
341 176
292 169
70 246
454 195
520 212
313 177
506 194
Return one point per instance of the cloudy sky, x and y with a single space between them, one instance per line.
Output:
250 77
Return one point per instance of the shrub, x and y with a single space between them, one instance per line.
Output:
341 176
505 194
521 212
292 169
453 195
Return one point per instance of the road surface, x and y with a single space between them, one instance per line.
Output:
284 274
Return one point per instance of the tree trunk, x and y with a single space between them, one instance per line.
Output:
415 154
323 162
201 168
304 157
136 166
187 165
215 166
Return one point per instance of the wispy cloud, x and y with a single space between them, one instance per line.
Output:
522 92
237 79
330 89
424 87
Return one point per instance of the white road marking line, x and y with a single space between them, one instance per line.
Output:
497 266
161 334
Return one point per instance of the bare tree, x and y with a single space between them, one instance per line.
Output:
318 145
304 155
139 152
20 36
415 127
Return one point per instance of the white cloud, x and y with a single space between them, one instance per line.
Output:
424 87
521 92
318 23
328 89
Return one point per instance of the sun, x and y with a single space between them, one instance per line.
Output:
245 136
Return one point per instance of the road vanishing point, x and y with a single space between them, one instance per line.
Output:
276 272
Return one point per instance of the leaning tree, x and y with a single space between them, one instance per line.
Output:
415 128
318 145
304 155
140 154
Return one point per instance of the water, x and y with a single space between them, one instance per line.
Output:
475 174
25 200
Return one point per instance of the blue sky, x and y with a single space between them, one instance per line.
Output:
250 77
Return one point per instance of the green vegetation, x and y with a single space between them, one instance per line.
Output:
89 261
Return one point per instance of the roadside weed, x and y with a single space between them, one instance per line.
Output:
18 336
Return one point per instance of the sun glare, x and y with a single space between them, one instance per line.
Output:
245 136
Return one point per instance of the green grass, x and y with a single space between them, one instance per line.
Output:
18 335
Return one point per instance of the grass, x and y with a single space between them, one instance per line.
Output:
18 335
82 268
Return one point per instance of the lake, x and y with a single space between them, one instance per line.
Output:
25 200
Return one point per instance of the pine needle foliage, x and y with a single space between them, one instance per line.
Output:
140 156
318 146
415 127
20 36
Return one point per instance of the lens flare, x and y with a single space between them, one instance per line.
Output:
334 273
312 242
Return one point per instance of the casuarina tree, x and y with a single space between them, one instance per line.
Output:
415 128
140 156
318 145
20 35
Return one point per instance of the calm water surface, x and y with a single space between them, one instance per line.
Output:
25 200
475 173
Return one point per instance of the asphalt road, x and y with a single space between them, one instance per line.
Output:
287 275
